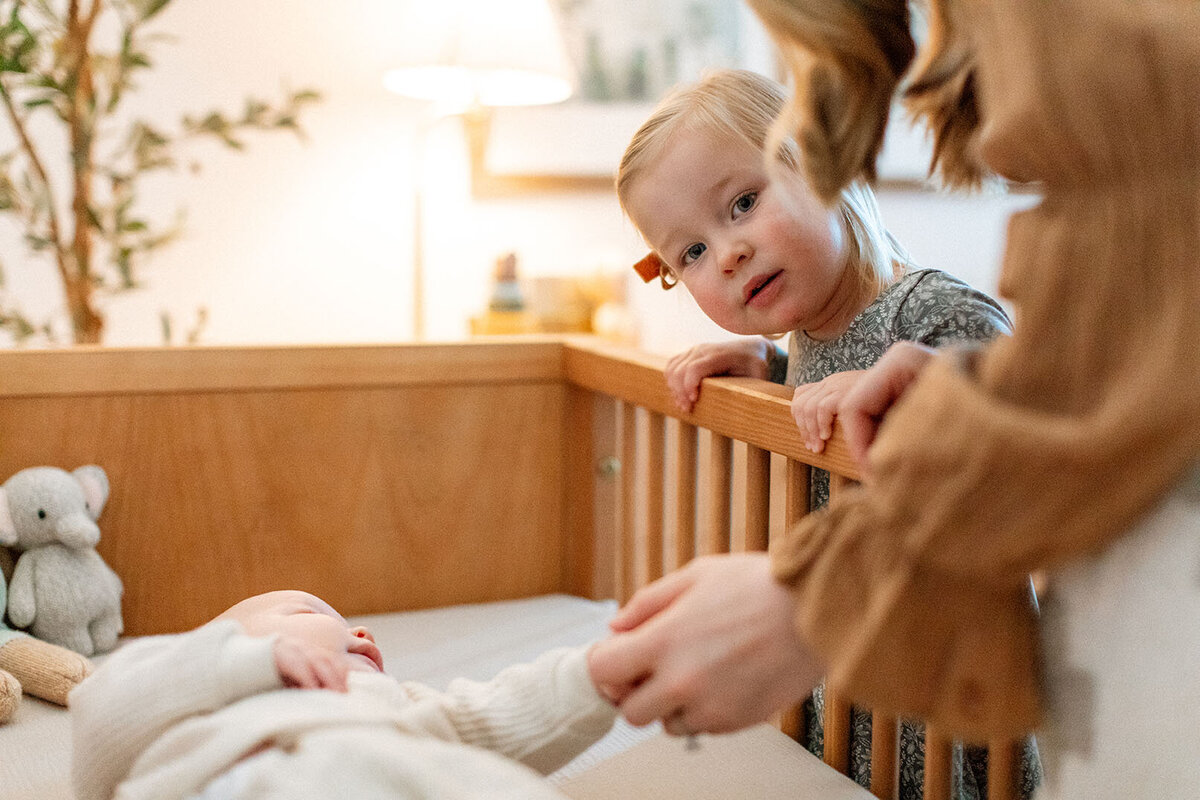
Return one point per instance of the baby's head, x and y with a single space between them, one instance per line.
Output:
734 111
303 616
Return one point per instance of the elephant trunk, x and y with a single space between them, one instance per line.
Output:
77 531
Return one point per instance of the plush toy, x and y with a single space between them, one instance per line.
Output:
42 669
61 590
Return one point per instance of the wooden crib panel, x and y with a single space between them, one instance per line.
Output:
381 486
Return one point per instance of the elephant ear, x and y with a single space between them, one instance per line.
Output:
8 531
95 488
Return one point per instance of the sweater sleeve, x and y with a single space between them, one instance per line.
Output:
150 684
913 586
542 713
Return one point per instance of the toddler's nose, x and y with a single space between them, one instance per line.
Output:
734 257
361 632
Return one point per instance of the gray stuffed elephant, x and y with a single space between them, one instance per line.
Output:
61 590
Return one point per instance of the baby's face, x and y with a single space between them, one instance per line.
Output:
306 617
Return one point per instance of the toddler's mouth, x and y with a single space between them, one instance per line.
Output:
756 285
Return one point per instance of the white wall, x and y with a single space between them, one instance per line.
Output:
295 241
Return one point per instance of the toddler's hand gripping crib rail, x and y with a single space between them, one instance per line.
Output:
387 478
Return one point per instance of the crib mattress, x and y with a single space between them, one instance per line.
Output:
477 641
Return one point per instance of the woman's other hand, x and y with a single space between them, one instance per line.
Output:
745 358
863 407
709 648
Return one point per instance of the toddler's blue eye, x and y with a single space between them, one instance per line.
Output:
745 202
694 252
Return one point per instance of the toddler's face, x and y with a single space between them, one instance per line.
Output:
308 618
758 256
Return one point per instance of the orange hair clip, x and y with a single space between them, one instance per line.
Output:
649 267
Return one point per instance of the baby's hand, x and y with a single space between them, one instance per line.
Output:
745 358
304 666
814 405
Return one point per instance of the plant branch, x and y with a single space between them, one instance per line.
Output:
35 161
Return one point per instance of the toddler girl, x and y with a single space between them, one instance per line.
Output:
761 254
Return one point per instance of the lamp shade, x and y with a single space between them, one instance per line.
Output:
461 53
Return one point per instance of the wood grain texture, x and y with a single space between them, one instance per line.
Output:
717 506
748 410
94 370
377 499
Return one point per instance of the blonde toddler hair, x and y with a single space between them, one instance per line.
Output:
743 106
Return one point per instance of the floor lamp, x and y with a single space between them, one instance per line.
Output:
466 57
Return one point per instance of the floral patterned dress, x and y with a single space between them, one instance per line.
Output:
933 308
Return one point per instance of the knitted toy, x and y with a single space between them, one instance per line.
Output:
61 590
42 669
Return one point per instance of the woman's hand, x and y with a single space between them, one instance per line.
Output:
745 358
709 648
814 406
878 388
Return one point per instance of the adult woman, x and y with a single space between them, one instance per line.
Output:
1066 440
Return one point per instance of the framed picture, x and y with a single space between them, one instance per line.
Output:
627 54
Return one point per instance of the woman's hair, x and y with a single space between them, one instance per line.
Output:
743 106
847 57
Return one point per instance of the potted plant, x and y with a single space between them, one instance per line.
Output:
56 69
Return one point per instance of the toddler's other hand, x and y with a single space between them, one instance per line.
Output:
303 666
814 406
742 358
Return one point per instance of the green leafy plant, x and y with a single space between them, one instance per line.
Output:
53 67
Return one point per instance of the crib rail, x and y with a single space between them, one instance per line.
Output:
388 478
724 478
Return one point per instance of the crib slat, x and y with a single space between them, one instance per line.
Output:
626 549
720 470
584 489
883 755
758 498
687 438
937 764
652 555
795 505
1003 761
797 501
837 730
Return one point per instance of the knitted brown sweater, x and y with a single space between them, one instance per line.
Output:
915 585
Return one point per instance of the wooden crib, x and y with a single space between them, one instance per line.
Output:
388 478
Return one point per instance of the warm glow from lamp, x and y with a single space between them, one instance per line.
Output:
483 53
465 56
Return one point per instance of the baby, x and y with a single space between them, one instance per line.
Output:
219 712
